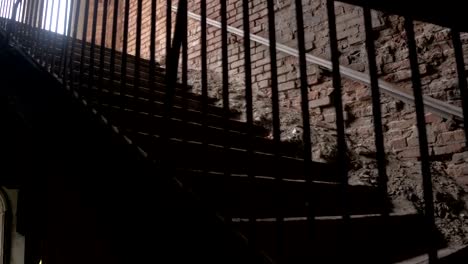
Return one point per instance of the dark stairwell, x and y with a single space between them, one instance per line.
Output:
114 169
89 196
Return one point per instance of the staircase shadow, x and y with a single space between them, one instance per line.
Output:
200 166
362 240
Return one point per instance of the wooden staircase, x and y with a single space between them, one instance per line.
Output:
237 176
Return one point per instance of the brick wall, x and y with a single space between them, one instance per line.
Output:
109 22
146 28
436 60
435 57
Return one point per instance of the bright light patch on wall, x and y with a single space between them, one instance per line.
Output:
6 10
56 15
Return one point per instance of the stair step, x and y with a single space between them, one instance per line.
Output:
449 255
178 112
366 239
46 45
216 158
187 130
143 89
158 77
239 196
118 65
158 74
189 101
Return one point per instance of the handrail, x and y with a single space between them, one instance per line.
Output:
435 106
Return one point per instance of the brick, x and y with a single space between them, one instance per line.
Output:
287 86
432 118
312 79
403 75
236 64
451 137
442 127
320 102
264 84
398 144
409 153
377 21
365 130
458 158
282 79
401 124
345 17
394 133
262 62
412 141
363 93
257 71
257 56
462 180
357 21
313 95
349 32
355 40
459 135
261 77
448 149
330 118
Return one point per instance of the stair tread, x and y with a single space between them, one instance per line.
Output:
198 133
47 45
367 239
181 113
242 196
158 77
153 124
181 99
144 89
233 160
130 65
321 218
